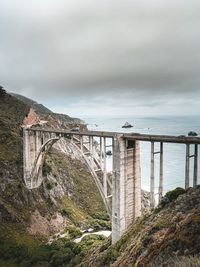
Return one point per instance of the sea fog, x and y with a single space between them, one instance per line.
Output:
174 154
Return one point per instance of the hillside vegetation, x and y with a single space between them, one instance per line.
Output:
67 201
12 113
168 236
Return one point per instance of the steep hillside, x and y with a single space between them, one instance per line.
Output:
68 198
12 113
168 236
47 114
39 108
62 169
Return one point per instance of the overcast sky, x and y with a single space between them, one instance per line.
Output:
108 57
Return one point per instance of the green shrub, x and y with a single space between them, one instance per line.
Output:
98 224
74 232
46 169
90 241
172 195
49 186
101 216
157 209
168 198
75 261
110 256
66 212
73 246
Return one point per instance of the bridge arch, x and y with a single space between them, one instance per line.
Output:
121 195
34 178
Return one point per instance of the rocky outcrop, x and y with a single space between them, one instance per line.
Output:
145 205
31 118
40 225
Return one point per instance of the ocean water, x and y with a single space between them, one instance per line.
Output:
174 154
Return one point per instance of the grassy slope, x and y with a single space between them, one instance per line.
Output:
84 192
170 235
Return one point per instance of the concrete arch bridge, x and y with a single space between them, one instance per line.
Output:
122 193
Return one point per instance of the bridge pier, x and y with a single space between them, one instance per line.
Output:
152 174
35 145
32 142
161 173
104 169
126 196
152 178
195 174
187 166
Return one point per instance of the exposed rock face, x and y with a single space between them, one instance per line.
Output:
145 201
39 225
31 118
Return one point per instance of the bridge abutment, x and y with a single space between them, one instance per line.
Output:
126 199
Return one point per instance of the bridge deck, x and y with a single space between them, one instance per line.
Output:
129 136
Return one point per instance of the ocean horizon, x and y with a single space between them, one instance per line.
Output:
174 154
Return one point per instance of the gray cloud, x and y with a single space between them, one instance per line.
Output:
147 49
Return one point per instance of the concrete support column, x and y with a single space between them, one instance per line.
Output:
38 141
152 178
126 185
26 157
101 152
91 144
195 175
187 166
161 172
31 144
104 169
81 143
